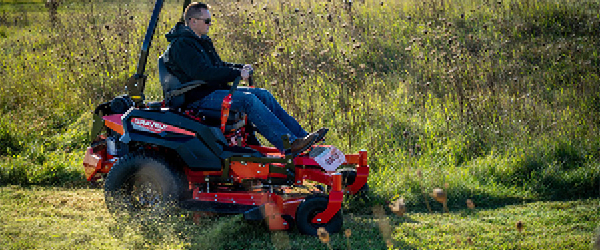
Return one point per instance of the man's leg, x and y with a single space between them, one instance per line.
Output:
267 98
267 123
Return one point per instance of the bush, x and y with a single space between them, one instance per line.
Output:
10 142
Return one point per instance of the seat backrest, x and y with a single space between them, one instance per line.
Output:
169 84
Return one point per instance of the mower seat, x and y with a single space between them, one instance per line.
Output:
212 117
173 90
174 93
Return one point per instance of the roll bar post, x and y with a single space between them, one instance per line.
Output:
137 83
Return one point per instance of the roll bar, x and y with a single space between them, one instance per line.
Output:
137 83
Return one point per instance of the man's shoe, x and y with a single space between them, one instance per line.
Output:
321 134
302 144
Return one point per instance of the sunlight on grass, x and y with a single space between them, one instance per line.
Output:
77 219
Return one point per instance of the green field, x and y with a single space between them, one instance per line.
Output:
77 219
494 101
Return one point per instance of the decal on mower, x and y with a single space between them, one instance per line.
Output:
330 158
147 125
156 127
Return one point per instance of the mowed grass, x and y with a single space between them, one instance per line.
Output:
61 218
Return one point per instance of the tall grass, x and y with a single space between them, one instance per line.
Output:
498 99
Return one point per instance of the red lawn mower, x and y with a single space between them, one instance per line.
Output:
153 155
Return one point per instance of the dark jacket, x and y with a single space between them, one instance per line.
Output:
190 57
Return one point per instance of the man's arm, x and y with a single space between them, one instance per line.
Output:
197 66
234 65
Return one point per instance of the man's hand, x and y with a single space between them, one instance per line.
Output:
245 73
248 67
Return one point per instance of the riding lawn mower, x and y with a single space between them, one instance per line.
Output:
152 155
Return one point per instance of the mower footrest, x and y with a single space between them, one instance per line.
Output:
215 207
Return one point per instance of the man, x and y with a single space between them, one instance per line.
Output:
191 55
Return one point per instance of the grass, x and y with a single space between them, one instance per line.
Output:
66 218
494 101
509 86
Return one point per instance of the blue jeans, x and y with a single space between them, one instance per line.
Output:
271 120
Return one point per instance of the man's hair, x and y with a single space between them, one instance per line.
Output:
193 10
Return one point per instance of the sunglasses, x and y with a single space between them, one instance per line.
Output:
206 21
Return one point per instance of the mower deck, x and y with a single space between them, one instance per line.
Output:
258 203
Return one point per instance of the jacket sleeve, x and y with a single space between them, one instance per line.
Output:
197 66
234 65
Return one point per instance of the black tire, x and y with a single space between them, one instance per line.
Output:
143 187
348 178
308 209
359 202
290 221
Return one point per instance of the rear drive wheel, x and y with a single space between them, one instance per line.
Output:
142 187
308 209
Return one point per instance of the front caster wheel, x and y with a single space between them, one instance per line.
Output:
308 209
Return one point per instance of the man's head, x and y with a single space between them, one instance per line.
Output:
197 17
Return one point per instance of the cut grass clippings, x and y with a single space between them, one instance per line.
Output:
60 218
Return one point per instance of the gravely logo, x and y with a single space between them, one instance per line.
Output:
148 125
